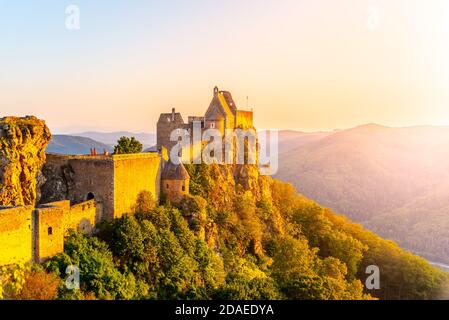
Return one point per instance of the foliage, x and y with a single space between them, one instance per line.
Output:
98 272
240 236
39 285
127 145
28 282
12 280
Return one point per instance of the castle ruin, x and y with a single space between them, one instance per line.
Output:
83 190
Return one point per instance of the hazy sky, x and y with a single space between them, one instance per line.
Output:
305 64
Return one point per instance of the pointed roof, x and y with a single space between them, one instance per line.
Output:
229 101
174 172
219 107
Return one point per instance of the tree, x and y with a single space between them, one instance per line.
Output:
98 272
145 203
127 145
39 285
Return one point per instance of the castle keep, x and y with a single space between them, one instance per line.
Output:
80 191
222 114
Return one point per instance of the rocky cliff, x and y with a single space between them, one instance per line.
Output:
22 155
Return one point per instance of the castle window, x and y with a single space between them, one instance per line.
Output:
183 188
212 125
90 196
167 186
50 231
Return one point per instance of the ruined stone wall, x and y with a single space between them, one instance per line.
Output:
28 234
59 182
79 178
94 178
81 217
49 232
113 181
16 243
133 174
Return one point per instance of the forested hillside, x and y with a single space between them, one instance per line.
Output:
238 236
392 180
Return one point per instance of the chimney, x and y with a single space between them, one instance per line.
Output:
173 114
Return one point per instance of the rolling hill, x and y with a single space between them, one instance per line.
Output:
395 181
65 144
147 139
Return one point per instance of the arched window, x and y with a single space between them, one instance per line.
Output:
90 196
183 188
50 231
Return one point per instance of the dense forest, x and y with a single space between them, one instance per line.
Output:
237 236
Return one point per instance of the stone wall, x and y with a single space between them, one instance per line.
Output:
81 178
28 234
16 243
94 179
113 181
81 217
49 232
133 174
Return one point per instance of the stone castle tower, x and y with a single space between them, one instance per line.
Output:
175 182
222 114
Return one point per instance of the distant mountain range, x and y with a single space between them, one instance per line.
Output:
81 143
394 181
65 144
110 138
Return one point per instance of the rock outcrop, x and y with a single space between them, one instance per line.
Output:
22 155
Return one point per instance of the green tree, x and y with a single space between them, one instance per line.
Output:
127 145
98 271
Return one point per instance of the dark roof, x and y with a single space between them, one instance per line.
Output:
175 172
164 118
